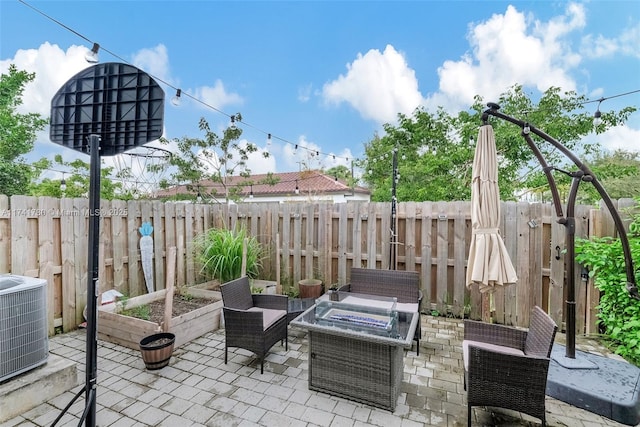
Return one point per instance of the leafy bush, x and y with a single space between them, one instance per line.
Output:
619 314
219 252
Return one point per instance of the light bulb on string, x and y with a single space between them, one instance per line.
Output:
269 140
92 55
176 101
597 116
232 124
526 129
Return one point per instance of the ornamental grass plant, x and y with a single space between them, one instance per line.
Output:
219 252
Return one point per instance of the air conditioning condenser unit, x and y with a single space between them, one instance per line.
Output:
24 341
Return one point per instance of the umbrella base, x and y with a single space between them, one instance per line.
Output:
611 390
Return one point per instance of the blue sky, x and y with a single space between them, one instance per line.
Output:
326 75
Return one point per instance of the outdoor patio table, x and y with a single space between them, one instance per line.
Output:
356 347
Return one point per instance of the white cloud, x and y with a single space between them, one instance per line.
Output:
304 93
154 61
509 49
621 137
599 46
379 85
506 49
217 96
52 66
257 163
302 155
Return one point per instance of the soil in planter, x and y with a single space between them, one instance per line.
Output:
154 311
159 342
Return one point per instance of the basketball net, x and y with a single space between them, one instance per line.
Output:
141 169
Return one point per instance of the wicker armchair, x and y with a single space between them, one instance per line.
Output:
404 285
254 322
507 367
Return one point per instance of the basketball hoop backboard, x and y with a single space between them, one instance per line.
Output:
121 104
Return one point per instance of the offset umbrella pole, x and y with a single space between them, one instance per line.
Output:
583 174
393 254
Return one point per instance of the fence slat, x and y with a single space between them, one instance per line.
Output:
511 235
459 256
159 248
68 259
47 206
5 235
135 286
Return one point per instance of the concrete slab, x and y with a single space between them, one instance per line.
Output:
30 389
610 390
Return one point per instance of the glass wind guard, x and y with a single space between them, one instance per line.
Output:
377 316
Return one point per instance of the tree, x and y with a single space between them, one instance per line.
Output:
212 158
76 180
340 172
17 133
619 174
435 150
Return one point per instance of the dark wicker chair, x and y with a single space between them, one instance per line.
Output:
245 315
404 285
507 367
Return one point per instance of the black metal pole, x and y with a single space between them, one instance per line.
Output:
92 283
394 241
570 266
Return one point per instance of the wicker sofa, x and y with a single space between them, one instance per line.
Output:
404 285
254 322
506 367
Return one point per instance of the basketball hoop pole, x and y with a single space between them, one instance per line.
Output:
92 283
91 348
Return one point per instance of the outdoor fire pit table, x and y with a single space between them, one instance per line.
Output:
297 306
356 347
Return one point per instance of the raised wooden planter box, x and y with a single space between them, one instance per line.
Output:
128 331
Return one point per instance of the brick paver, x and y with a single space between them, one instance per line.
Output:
198 389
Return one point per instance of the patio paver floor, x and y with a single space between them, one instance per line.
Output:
197 388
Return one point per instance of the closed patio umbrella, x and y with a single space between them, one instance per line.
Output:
489 264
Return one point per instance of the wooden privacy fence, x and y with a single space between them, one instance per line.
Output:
47 237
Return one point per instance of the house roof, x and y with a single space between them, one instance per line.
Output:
308 182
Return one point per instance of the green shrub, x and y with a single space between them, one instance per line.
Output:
219 252
619 314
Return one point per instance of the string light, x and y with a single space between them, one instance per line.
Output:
92 56
269 140
297 189
175 101
597 116
63 184
251 193
526 129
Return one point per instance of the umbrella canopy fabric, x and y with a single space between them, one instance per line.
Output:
489 264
